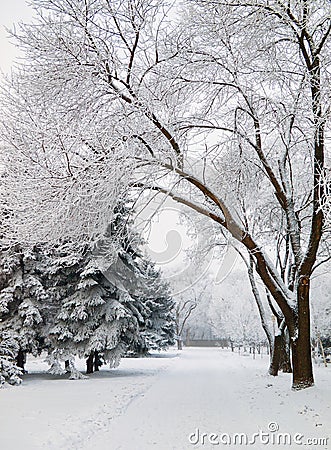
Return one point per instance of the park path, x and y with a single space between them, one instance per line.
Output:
159 402
203 391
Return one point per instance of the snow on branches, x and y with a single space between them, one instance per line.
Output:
326 197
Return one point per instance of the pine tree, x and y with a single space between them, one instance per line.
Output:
9 371
134 274
71 300
33 282
21 295
153 302
95 319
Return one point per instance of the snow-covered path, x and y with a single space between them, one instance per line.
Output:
160 402
209 391
196 393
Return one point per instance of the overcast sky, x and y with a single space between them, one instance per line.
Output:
12 11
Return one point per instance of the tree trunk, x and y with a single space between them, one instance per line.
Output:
280 357
96 361
275 357
285 354
20 360
301 346
320 344
89 363
67 365
179 344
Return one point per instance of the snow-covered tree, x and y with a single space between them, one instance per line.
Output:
152 303
9 371
68 300
116 89
29 299
23 297
321 310
95 319
191 306
157 325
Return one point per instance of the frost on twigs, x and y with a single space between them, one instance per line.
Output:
326 197
62 173
41 207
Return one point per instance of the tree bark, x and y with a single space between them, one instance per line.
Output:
285 354
275 356
280 357
67 365
301 345
89 363
20 360
96 361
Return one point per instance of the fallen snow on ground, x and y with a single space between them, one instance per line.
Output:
198 399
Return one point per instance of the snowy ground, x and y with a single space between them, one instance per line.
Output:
199 399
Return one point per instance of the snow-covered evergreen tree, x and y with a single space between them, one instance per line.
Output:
153 304
71 300
26 305
118 302
21 296
95 318
158 326
9 371
135 275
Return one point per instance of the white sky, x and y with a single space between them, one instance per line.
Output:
12 12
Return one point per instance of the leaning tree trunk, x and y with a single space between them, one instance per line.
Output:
301 345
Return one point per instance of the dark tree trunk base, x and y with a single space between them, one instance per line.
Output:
89 363
299 385
67 366
20 360
303 376
285 354
275 358
96 361
286 368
